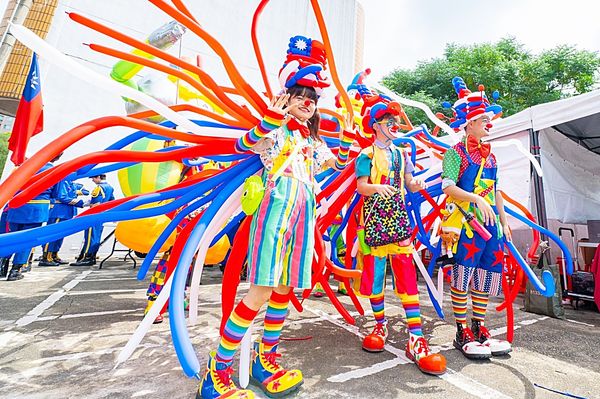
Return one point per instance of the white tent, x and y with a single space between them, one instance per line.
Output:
567 134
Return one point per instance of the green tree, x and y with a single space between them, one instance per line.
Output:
3 149
522 78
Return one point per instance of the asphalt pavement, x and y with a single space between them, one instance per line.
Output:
62 328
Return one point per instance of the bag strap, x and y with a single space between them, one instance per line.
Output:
398 169
285 163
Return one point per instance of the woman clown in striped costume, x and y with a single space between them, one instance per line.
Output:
282 231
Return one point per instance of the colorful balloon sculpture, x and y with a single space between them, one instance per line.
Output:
213 137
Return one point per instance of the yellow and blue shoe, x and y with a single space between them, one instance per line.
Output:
273 379
216 382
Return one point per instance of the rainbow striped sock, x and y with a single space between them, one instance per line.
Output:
480 301
271 121
413 313
344 149
459 305
235 328
274 318
378 306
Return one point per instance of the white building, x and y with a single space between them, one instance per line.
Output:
69 101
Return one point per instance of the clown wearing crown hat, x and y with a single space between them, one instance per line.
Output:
469 178
281 242
383 171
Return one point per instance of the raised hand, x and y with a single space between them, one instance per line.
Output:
278 104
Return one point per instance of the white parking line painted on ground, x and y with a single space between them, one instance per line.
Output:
90 314
580 322
471 386
366 371
354 330
455 378
34 313
93 280
96 292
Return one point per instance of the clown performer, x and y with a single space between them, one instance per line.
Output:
282 230
382 172
469 178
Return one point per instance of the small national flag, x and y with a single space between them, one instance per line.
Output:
29 120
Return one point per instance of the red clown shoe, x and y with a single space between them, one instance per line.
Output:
375 341
417 350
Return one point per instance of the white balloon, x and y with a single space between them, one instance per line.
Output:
230 206
55 57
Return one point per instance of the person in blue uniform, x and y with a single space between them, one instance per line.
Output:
64 203
103 192
33 214
4 262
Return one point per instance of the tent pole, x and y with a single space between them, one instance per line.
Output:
538 184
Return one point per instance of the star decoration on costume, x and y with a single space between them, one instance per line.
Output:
276 385
471 249
498 257
301 44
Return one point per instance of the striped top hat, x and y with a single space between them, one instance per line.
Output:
304 65
471 105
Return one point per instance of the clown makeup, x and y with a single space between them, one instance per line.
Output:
388 128
391 123
303 104
479 127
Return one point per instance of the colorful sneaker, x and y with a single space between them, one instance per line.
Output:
217 383
417 350
375 341
342 289
318 291
273 379
498 347
466 343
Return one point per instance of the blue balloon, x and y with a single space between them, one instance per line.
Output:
181 340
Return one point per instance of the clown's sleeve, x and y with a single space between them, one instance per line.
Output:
270 122
450 168
344 149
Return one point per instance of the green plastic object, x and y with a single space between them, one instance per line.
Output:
254 190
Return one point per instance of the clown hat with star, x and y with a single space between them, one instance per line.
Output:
304 65
471 105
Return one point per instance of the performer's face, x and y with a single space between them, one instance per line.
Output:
387 128
303 107
480 127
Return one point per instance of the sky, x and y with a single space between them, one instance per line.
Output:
400 33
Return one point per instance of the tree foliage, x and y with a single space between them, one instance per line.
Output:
522 78
3 149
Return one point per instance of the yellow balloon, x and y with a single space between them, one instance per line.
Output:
217 252
140 234
146 177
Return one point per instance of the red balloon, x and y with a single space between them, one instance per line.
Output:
233 269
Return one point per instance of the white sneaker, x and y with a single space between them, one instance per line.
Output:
498 347
466 343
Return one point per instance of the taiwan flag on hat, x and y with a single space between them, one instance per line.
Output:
29 120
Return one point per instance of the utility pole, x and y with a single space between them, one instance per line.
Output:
16 12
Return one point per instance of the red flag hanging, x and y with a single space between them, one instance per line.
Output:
29 120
